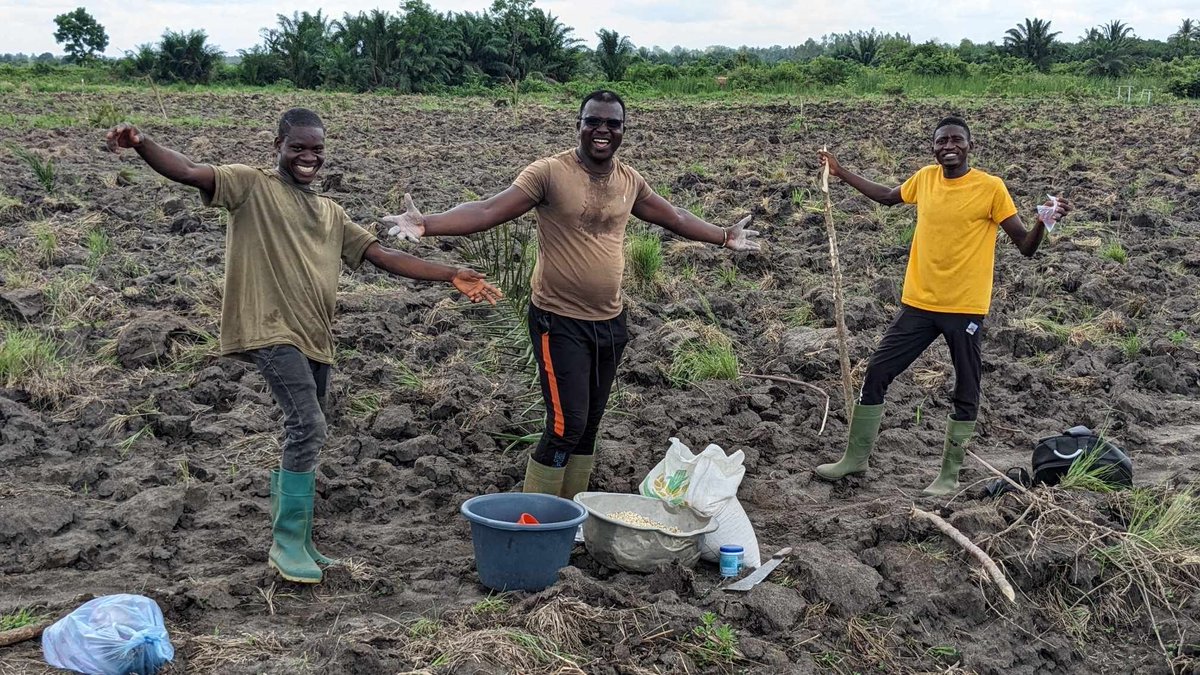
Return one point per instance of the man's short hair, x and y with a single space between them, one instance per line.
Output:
299 117
604 96
953 121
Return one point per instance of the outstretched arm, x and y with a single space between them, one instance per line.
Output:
682 222
468 281
1028 241
165 161
888 196
466 218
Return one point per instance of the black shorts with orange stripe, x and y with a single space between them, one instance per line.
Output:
577 364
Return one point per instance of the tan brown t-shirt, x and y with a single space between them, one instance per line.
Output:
581 234
283 254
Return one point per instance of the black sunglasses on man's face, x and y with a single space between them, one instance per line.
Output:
597 122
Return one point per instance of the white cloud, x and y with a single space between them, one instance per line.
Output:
28 26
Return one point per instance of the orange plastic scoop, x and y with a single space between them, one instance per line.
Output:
527 519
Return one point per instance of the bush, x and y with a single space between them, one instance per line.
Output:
830 71
929 59
1186 84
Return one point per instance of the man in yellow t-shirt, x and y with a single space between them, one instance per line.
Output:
947 289
583 198
284 249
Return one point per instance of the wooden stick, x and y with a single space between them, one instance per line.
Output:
161 107
961 539
839 304
12 637
778 378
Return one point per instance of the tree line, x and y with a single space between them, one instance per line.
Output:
421 50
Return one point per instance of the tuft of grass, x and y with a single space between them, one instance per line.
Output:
714 643
47 242
106 116
645 259
800 315
1114 251
43 170
365 405
28 358
728 276
98 245
7 202
424 627
492 604
1084 474
709 356
1177 337
20 619
1131 345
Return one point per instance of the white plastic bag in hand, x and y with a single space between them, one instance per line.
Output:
1047 214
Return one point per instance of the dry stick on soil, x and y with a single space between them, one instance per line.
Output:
983 558
777 378
12 637
839 306
161 107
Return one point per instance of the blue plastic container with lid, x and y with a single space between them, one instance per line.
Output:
512 557
731 560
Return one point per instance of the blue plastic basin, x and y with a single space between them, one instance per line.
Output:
511 557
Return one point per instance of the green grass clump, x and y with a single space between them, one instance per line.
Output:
714 643
20 619
645 259
28 357
43 170
1114 251
709 356
98 245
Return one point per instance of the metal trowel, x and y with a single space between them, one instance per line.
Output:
761 573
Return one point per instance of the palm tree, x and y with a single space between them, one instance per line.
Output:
187 57
368 49
613 54
1111 48
1033 42
301 43
551 49
1186 38
481 47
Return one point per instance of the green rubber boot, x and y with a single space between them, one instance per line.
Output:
578 472
957 435
544 479
293 518
864 429
308 542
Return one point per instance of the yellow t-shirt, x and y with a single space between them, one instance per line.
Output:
581 234
953 251
284 250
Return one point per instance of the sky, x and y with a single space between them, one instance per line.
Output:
28 25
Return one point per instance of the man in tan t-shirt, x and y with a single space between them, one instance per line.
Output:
284 249
583 197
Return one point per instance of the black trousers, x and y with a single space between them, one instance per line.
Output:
298 384
910 334
577 363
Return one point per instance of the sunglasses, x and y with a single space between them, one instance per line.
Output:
597 122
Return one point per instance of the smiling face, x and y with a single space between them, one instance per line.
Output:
301 153
598 139
951 147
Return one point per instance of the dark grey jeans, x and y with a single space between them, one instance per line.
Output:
298 384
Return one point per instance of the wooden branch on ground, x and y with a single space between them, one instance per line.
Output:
961 539
12 637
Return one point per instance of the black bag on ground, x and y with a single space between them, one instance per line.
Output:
1054 455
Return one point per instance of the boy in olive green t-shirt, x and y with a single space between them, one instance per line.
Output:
284 248
947 289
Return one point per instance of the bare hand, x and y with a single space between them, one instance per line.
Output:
123 136
471 284
827 159
738 238
409 225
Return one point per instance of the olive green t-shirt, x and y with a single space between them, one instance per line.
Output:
581 234
283 253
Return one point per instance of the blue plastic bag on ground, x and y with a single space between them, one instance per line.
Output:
110 635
